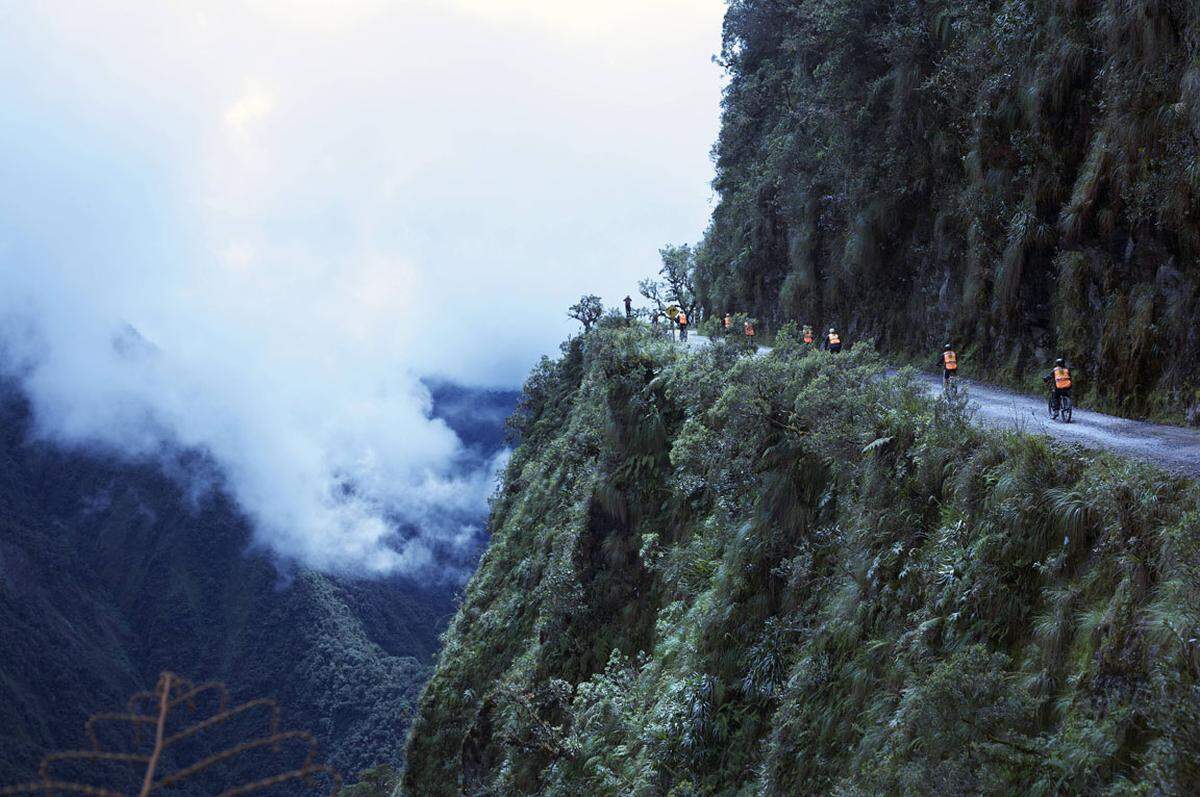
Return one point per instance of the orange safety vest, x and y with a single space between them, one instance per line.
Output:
682 319
951 360
808 335
749 330
834 339
1062 378
728 322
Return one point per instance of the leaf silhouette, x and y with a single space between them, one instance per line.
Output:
145 738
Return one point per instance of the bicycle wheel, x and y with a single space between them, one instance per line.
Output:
1066 410
1053 412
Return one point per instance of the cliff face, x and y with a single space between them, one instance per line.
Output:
111 572
720 574
1019 176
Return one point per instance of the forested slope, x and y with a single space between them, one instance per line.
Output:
111 572
717 574
1019 176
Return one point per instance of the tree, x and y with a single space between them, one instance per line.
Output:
651 290
677 280
587 311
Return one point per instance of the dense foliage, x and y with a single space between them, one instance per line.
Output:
713 574
1018 175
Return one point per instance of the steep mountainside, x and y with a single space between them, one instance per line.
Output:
1020 176
111 572
713 574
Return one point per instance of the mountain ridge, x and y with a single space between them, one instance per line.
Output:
712 573
111 572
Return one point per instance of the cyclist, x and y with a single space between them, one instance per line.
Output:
1060 377
949 365
728 323
833 341
682 320
808 335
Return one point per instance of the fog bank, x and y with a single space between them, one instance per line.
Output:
252 229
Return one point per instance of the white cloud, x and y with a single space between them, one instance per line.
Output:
252 107
624 20
306 206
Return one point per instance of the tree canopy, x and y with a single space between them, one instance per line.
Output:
587 311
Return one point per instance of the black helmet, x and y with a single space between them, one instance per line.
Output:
1060 362
947 347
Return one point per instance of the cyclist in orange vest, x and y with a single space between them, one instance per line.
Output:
748 329
1060 377
682 320
949 363
808 335
728 323
833 341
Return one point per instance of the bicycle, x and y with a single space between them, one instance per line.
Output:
1063 411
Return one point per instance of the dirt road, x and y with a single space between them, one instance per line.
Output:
1175 448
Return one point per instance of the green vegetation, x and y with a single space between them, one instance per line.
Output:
676 284
378 782
587 311
716 574
1018 175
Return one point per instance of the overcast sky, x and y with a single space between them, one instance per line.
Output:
305 206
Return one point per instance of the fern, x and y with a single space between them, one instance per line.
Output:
876 445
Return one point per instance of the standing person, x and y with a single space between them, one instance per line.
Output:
833 341
1060 377
748 329
682 320
628 311
809 336
949 365
728 323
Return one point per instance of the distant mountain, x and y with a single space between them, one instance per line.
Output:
111 572
477 415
